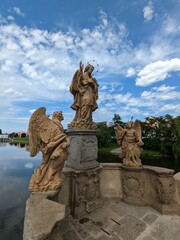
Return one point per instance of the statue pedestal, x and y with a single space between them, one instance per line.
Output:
85 172
86 195
83 150
133 184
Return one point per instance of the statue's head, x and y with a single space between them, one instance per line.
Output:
128 125
89 68
58 115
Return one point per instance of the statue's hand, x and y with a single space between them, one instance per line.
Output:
140 143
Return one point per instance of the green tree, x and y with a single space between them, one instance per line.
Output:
176 145
159 133
117 119
103 135
0 131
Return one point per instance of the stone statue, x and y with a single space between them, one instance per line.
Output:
53 145
85 90
130 140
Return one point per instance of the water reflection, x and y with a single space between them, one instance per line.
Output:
16 168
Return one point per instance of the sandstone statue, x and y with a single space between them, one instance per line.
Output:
85 90
53 145
130 140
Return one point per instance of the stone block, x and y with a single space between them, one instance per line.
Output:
110 180
41 215
83 150
85 192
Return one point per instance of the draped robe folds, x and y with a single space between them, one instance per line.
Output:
85 93
49 175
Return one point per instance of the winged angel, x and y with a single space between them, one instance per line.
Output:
130 140
53 145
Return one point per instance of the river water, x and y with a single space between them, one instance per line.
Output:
16 168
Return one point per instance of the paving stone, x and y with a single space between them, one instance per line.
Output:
70 235
83 233
129 227
148 238
94 230
104 238
150 218
122 209
64 226
102 218
166 228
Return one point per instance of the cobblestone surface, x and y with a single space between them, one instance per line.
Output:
117 220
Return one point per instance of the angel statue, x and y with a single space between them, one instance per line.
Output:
53 145
130 140
85 90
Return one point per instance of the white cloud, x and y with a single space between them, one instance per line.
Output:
164 88
10 18
148 12
18 11
29 165
130 72
157 71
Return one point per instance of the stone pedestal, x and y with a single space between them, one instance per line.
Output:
85 196
133 185
83 150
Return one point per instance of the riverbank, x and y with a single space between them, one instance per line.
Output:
20 140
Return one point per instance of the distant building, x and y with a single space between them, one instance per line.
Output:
106 123
22 134
4 138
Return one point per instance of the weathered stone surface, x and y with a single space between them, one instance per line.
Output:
134 229
110 181
133 185
86 195
41 216
150 218
83 149
166 228
70 235
176 195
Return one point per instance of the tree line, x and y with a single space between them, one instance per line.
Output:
158 134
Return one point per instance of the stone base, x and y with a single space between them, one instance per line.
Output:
85 192
83 150
41 215
133 185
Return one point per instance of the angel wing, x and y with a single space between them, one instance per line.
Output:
37 121
119 132
74 83
137 127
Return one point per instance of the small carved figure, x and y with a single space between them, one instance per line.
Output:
85 90
53 145
130 140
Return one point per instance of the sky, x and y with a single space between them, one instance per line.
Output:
133 45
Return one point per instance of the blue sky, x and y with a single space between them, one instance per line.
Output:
135 43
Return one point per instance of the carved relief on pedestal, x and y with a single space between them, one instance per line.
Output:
89 148
87 190
164 189
133 187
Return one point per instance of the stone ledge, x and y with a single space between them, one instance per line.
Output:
41 215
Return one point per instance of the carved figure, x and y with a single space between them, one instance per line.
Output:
53 145
130 140
85 90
